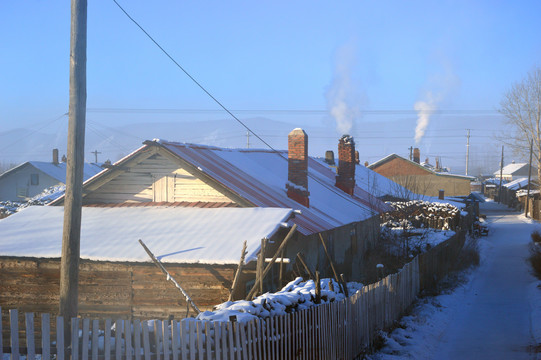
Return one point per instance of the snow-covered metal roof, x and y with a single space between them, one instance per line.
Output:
260 176
56 171
513 168
517 184
377 184
180 235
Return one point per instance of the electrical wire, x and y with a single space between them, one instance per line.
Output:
228 111
287 111
26 135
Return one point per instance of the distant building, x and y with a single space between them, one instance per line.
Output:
421 179
195 205
32 177
515 171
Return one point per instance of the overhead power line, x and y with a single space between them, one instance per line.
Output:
289 111
26 135
335 191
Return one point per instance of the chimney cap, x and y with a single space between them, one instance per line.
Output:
347 139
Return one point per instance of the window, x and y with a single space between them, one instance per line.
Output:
34 179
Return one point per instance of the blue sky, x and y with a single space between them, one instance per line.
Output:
378 58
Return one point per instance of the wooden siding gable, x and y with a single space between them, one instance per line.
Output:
158 177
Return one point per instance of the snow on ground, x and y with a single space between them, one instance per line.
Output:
493 314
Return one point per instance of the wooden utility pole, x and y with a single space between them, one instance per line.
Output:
501 174
467 151
69 264
95 152
529 179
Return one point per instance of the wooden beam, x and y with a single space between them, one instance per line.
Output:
261 265
318 288
239 270
330 261
269 266
169 277
301 259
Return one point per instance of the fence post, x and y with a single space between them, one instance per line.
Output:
86 329
74 338
60 349
95 333
118 339
107 339
30 345
1 339
14 328
45 337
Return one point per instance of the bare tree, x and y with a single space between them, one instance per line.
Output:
521 106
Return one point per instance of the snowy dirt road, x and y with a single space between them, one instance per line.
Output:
496 315
495 321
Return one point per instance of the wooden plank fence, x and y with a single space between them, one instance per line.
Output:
338 330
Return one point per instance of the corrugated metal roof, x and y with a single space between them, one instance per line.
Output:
260 177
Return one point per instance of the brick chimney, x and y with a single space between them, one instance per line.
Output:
297 171
417 155
345 174
55 156
329 157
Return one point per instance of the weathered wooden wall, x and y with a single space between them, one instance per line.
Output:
436 263
155 179
347 245
115 290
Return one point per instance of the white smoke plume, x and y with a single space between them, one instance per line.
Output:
442 84
424 110
343 95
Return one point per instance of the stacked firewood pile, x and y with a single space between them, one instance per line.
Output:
46 196
419 214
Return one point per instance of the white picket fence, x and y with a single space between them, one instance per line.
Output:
338 330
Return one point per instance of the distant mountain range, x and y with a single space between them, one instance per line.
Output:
374 139
114 142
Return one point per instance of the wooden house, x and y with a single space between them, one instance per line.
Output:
32 177
326 204
421 179
200 247
515 171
